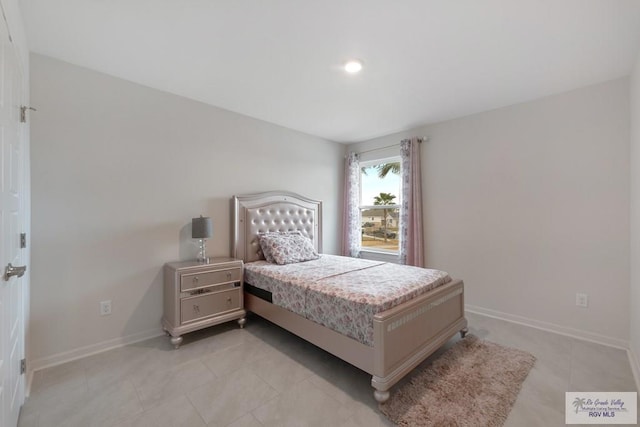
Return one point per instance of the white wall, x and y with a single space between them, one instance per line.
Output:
118 171
529 204
635 217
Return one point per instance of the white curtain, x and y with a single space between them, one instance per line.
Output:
351 238
411 237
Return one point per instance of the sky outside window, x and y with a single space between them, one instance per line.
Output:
372 185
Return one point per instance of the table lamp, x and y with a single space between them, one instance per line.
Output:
202 229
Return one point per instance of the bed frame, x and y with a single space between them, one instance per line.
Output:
403 336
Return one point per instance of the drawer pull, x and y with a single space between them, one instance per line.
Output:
229 300
196 309
228 275
195 279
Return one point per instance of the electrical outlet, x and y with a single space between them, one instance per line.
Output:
582 300
105 308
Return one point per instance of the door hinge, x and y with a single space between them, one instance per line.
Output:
23 113
23 240
23 366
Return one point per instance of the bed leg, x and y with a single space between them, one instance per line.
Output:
463 332
241 322
381 396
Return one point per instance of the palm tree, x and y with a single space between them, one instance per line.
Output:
578 403
382 200
385 168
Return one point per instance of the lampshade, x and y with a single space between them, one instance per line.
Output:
201 228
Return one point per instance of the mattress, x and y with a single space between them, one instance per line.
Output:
342 293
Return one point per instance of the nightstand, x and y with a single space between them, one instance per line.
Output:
198 295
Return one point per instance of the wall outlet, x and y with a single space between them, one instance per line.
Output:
105 308
582 300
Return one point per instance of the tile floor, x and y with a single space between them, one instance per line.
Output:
264 376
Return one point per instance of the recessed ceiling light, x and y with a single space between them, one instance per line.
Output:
353 66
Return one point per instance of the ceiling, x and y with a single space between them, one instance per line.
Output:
280 60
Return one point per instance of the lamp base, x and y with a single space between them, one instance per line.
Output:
202 255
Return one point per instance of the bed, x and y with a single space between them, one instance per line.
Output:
397 338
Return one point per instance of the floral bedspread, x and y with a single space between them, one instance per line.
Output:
342 293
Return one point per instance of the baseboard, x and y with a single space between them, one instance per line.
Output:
79 353
550 327
29 379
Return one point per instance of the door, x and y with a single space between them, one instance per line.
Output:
12 188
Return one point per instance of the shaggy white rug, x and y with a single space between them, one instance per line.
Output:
474 383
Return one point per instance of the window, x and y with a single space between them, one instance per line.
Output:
380 204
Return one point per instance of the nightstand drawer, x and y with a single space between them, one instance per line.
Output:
198 280
206 305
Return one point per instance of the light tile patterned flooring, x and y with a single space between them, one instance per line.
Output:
264 376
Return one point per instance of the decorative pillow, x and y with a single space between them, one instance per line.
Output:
289 248
265 242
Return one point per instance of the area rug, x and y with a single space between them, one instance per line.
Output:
474 383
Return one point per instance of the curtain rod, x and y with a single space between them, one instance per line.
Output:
422 139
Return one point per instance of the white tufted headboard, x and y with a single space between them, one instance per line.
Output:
272 211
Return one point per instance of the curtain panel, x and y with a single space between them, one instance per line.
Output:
351 223
411 234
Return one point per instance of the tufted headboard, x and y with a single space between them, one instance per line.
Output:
272 211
